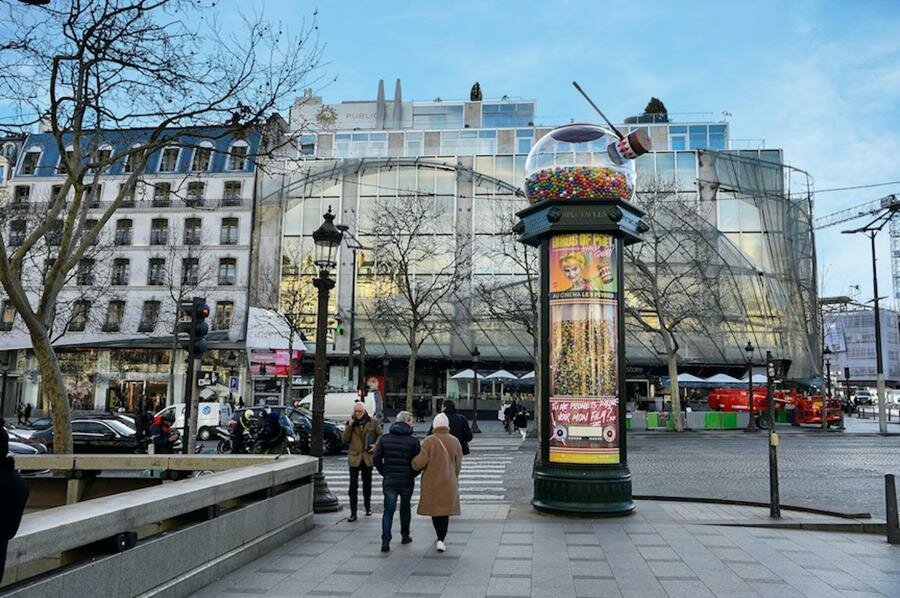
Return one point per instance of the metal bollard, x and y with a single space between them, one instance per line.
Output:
890 498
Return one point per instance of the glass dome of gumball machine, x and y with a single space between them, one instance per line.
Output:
583 162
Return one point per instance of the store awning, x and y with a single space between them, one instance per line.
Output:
757 379
688 379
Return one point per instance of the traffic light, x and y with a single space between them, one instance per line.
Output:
201 328
192 326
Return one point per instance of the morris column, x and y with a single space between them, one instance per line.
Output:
580 179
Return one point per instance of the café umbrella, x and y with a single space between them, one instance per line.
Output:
501 375
466 374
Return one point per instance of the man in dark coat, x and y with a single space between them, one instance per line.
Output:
162 435
459 425
13 496
393 457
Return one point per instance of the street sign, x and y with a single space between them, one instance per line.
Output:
233 383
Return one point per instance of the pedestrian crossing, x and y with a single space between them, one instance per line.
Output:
480 481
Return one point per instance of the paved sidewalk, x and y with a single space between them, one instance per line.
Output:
664 549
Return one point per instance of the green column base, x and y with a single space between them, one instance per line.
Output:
586 490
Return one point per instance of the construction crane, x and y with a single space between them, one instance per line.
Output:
887 206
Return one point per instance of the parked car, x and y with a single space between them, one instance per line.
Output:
23 436
864 397
302 420
97 435
41 423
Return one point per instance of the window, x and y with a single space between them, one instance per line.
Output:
7 317
149 316
224 314
21 194
697 136
128 162
202 158
92 195
101 159
438 116
229 234
30 161
156 272
84 276
237 156
55 192
162 195
507 114
307 145
159 231
80 312
414 145
114 314
192 231
17 232
678 138
524 140
190 270
54 233
232 193
66 157
127 195
168 160
121 271
717 137
227 271
195 192
123 232
88 227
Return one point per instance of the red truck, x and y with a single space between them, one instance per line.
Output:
807 409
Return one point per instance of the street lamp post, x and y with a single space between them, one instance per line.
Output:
475 355
751 425
826 353
327 239
871 230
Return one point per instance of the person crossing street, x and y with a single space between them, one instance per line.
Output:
393 457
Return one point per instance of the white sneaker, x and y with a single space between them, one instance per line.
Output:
441 547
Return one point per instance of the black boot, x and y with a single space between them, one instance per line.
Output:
352 517
385 545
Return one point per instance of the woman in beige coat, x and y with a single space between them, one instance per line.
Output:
441 459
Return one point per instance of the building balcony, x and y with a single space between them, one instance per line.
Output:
175 203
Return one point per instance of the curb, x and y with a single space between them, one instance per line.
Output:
879 529
751 503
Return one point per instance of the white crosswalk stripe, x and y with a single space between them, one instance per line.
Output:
481 479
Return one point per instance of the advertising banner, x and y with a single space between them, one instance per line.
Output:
584 399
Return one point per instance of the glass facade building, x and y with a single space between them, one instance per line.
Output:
466 161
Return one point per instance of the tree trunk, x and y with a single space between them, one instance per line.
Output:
672 357
54 388
411 369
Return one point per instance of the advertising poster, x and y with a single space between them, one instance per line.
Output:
584 402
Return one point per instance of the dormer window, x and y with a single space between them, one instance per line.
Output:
101 159
202 157
128 163
30 161
237 156
168 160
66 157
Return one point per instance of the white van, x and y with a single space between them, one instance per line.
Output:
209 415
339 405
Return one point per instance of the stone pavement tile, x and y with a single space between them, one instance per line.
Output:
648 540
658 553
648 590
719 541
776 590
524 552
509 586
840 580
751 570
677 588
289 563
886 587
466 591
517 538
723 582
732 555
311 548
550 578
341 583
596 588
434 567
376 590
585 552
512 526
423 585
591 569
671 570
520 567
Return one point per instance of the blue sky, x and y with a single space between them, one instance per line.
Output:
819 79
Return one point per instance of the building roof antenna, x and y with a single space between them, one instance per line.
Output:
600 112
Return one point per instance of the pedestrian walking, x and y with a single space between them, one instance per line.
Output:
13 496
393 457
27 414
361 433
459 425
440 460
521 422
510 414
20 414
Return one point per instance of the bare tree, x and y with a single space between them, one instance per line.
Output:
90 66
418 269
515 300
671 275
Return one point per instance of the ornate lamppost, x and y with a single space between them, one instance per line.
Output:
327 239
826 353
580 180
751 425
476 354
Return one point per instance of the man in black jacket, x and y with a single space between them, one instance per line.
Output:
13 496
393 460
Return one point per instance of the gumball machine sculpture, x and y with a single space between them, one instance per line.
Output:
579 181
